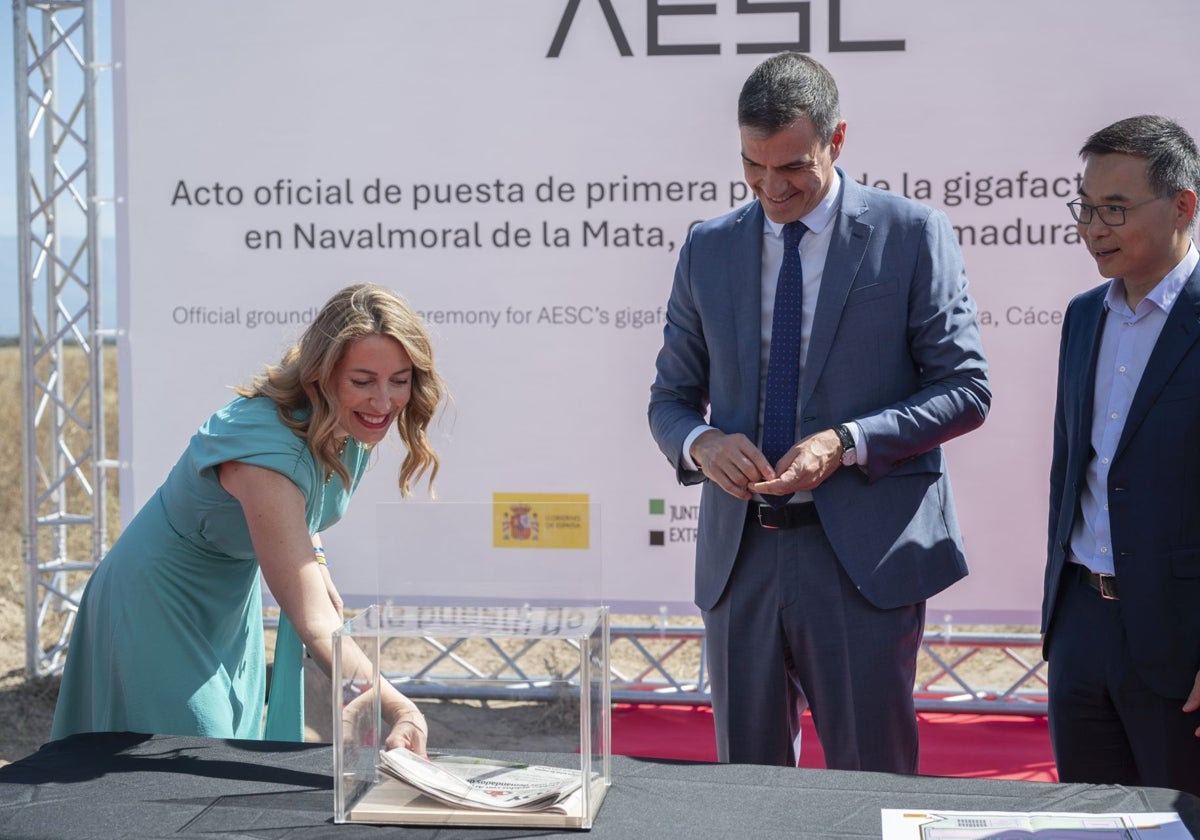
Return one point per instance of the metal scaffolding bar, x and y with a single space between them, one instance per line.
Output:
62 388
671 670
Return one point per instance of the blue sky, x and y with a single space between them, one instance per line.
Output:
9 281
8 198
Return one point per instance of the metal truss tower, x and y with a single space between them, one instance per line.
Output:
62 390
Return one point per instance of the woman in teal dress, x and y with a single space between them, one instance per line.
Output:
168 638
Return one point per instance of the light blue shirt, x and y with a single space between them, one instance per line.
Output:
814 247
1127 340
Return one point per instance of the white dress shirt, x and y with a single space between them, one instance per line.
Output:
1126 342
814 247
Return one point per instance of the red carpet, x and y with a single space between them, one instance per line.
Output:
980 746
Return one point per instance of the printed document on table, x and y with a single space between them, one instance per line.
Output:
469 782
918 824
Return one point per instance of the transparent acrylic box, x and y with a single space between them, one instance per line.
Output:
482 667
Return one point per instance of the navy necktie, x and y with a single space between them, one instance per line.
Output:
783 364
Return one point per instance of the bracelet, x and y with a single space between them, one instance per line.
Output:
319 553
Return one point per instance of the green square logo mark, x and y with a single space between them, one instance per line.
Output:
658 507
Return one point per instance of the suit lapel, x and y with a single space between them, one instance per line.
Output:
745 304
1084 351
1179 333
846 249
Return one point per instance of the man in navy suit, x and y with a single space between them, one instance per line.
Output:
818 602
1121 612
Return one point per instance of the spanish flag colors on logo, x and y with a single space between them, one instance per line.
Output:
540 520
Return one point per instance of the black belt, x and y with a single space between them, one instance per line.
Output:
1106 585
788 516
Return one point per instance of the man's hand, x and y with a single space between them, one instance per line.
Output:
805 466
732 461
1193 700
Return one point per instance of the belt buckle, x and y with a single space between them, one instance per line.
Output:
1105 592
767 509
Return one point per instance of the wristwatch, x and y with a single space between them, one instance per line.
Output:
849 456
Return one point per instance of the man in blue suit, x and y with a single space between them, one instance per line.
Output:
1121 612
817 600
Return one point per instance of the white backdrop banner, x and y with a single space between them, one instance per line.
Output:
524 172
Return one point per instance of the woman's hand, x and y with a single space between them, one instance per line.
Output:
411 732
408 726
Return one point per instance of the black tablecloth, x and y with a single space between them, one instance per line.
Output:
139 786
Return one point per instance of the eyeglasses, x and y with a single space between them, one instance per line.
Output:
1112 215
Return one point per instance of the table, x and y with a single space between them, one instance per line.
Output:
122 785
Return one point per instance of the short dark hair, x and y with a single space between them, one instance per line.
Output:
785 88
1172 162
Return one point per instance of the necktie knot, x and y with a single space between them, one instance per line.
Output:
792 232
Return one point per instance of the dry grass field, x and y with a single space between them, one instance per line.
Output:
27 704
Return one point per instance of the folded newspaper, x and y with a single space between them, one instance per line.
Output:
482 783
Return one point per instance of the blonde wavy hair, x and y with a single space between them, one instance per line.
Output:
303 379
